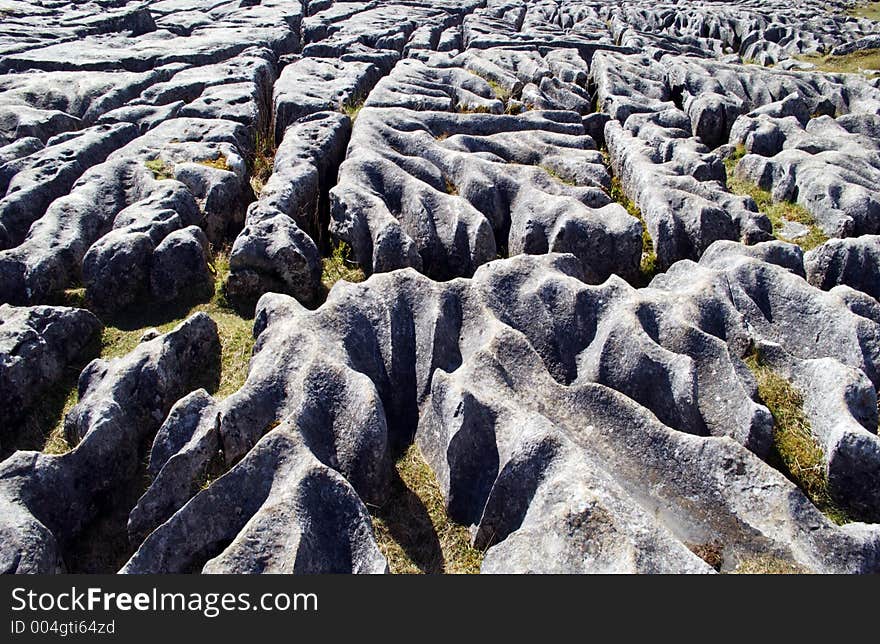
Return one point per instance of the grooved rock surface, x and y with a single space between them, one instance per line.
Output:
444 193
37 345
121 402
568 219
542 433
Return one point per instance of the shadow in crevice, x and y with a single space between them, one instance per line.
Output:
34 427
103 547
409 525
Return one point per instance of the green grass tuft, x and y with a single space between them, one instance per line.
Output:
220 163
776 211
712 552
160 169
123 333
56 443
262 161
412 529
339 266
353 107
768 565
648 266
477 109
800 457
513 108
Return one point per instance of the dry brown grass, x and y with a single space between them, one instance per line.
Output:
711 552
557 176
768 565
648 266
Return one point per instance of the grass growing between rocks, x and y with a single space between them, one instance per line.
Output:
262 162
160 169
412 529
339 266
122 334
352 108
501 93
648 266
557 176
476 109
854 63
712 552
800 457
220 163
768 565
778 212
869 10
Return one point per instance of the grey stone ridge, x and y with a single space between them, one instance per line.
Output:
537 398
566 280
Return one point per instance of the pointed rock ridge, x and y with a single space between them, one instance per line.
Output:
544 434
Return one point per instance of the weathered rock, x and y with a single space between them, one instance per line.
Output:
52 499
238 89
312 85
83 95
445 193
37 345
179 266
854 262
118 211
277 249
280 510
